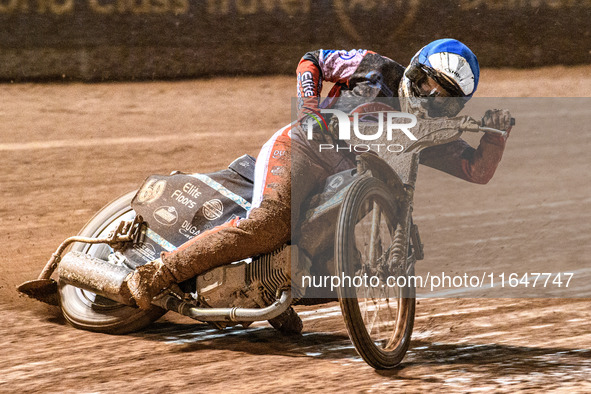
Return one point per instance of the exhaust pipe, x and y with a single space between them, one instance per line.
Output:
172 303
107 279
96 275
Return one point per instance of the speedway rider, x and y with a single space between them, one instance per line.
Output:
443 68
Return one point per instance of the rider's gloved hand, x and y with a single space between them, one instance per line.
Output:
497 119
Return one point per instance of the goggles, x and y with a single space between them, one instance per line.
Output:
418 73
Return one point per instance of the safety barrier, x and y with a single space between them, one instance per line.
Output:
145 39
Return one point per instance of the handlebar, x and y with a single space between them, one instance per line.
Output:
491 130
484 129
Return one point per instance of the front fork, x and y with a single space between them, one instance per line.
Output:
406 233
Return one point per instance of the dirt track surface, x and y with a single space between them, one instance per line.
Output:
66 150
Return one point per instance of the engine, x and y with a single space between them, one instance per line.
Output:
246 284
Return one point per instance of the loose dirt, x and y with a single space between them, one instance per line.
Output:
68 149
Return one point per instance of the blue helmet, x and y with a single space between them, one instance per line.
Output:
452 65
453 60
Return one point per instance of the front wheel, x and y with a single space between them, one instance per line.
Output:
86 310
378 314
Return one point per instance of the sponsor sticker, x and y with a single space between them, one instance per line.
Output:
278 153
151 191
336 182
213 209
166 216
191 190
306 84
180 197
146 251
188 230
348 55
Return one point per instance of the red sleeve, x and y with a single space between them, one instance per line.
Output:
309 86
481 166
461 160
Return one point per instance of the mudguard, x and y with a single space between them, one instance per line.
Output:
177 207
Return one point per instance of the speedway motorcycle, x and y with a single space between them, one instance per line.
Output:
374 235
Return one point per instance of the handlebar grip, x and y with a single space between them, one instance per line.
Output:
511 122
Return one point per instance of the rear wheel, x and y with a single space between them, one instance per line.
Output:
86 310
378 314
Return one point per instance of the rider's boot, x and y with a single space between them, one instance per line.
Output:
147 281
288 322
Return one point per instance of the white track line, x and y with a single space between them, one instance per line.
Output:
101 142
